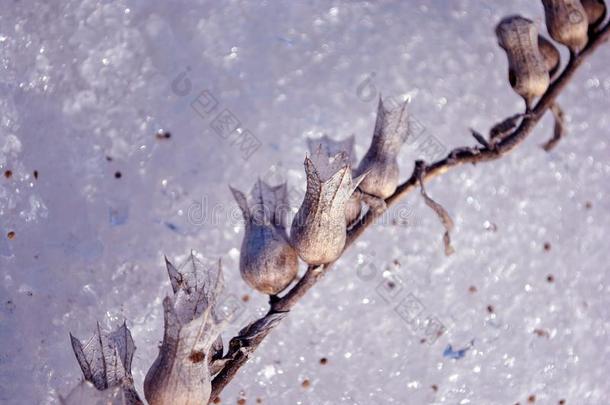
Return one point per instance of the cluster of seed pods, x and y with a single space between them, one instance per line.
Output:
532 59
336 191
189 355
191 352
337 187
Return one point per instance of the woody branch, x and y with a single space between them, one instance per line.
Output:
243 345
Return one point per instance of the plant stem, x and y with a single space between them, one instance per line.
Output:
242 346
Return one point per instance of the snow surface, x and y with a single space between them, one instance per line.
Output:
86 81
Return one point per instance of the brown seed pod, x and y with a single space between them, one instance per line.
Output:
318 231
181 374
550 53
267 262
566 21
596 12
380 161
527 71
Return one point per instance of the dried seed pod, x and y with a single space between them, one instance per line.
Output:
566 21
550 54
596 12
180 375
106 363
318 231
215 359
380 161
527 70
267 262
331 148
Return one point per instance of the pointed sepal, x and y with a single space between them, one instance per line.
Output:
105 360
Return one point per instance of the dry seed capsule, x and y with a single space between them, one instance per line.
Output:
318 231
527 71
596 12
380 161
550 54
180 375
267 262
566 21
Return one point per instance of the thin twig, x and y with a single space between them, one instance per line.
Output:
438 209
244 345
559 127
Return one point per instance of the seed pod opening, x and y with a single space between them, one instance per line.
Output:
380 161
550 54
267 262
527 70
596 12
567 23
331 147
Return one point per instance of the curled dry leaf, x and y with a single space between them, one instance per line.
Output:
105 360
256 329
503 128
380 161
440 211
527 71
332 147
267 261
318 231
480 138
567 22
559 128
181 373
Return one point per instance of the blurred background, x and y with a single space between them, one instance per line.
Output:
113 154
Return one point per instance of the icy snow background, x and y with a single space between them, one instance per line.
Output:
86 84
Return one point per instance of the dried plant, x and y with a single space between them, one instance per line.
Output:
192 353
